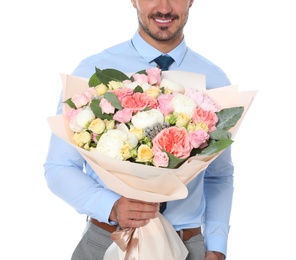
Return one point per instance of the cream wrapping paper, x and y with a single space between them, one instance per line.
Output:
149 183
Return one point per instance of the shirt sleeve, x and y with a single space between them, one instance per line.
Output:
218 192
65 175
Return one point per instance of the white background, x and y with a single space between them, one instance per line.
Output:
253 41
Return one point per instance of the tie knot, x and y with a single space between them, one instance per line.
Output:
164 61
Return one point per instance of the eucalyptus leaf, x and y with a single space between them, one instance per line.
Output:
220 134
112 98
228 117
216 147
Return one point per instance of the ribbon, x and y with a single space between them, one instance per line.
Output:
128 241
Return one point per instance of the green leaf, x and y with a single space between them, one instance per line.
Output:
111 97
70 103
220 134
216 147
138 89
174 162
228 117
107 75
95 107
94 81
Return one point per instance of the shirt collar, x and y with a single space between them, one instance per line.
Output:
149 53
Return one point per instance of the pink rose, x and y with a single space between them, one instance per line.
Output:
140 78
198 137
138 102
106 106
208 117
80 100
174 140
124 115
72 113
164 104
154 76
161 159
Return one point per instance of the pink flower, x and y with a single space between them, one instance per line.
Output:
138 102
198 137
161 159
208 117
141 78
174 140
164 104
123 92
80 100
154 76
124 115
72 113
107 106
203 100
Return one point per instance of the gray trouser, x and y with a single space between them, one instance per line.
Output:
95 242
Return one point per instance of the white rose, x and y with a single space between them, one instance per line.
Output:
173 86
148 118
183 104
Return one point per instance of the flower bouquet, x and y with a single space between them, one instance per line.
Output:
146 136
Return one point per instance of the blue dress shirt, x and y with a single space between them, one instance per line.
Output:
210 193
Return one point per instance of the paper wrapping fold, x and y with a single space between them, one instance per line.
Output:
149 183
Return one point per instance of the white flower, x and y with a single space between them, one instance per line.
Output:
112 142
183 104
148 118
173 86
82 119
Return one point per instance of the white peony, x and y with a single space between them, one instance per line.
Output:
183 104
148 118
111 143
172 86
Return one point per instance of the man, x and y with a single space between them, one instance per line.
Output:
208 205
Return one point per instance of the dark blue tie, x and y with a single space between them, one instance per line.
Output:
164 61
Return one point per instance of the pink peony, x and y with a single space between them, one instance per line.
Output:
174 140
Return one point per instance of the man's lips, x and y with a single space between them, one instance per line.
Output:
163 20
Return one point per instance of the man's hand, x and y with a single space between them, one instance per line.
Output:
212 255
133 213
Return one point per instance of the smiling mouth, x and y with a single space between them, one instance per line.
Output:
163 21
